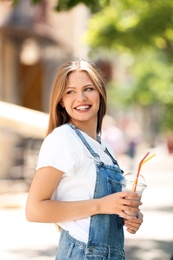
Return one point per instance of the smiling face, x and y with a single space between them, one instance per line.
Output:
81 100
65 106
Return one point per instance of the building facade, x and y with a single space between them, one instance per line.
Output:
34 41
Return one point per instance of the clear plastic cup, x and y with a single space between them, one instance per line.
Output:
128 185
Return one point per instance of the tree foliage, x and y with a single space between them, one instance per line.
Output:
66 5
133 25
143 29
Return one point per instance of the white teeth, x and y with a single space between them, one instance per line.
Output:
82 107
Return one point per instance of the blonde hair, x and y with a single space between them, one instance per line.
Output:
58 115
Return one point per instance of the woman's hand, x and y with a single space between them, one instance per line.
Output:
134 224
118 203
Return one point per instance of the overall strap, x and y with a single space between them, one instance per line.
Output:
113 159
95 155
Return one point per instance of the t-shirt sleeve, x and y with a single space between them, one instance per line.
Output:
62 151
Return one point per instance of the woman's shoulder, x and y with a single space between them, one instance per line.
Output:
62 134
61 131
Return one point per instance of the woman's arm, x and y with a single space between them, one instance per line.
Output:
40 207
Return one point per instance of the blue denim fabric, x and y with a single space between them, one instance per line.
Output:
70 248
106 235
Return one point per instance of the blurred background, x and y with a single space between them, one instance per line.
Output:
131 41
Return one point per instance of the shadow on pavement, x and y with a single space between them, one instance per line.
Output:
148 249
168 209
46 253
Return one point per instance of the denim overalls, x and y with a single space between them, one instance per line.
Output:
106 236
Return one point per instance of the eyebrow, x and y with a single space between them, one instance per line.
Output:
89 84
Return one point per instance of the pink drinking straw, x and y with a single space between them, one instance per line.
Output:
137 175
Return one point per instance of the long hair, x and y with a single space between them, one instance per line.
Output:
58 115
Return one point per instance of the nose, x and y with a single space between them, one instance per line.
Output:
81 96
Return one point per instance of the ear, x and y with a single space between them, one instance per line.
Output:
62 104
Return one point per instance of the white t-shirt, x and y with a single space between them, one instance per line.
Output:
64 150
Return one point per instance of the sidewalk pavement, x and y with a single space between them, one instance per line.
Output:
20 239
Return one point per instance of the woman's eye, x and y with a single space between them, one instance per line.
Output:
70 92
89 89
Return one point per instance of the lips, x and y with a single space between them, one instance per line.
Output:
82 108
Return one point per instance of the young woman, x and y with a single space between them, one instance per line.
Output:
77 182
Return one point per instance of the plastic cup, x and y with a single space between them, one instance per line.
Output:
128 185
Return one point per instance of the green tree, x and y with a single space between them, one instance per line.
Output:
65 5
133 25
150 83
143 29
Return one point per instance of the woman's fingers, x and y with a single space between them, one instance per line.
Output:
133 224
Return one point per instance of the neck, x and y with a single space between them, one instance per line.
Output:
88 129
